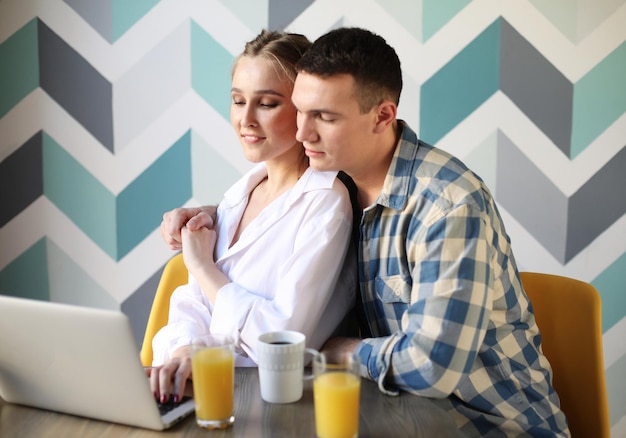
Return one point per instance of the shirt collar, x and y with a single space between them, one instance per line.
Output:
310 180
395 191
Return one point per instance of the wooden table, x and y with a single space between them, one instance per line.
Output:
380 416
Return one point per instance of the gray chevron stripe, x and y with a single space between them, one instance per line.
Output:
597 204
283 12
98 17
564 226
21 178
75 85
536 86
529 195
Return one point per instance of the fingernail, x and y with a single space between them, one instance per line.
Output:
163 398
175 399
156 395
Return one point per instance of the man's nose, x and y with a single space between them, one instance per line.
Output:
304 132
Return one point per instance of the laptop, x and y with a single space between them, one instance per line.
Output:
77 360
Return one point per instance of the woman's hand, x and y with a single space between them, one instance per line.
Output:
171 377
192 218
198 247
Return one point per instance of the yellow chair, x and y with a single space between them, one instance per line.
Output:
174 275
569 315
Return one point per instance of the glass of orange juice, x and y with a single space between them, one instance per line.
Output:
336 393
213 375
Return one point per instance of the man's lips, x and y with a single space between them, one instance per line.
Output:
313 153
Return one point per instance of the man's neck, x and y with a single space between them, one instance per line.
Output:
370 182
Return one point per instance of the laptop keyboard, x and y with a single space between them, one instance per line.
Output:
166 407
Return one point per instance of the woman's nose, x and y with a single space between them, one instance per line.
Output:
248 117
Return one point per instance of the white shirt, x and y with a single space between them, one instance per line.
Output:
284 269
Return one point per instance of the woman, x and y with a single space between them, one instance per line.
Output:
274 258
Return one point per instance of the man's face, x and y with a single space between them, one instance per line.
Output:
336 136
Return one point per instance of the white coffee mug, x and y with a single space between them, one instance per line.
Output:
281 365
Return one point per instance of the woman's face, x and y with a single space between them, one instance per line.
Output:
261 111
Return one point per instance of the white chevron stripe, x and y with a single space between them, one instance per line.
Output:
499 112
122 278
618 429
112 61
614 345
422 61
39 112
119 279
219 22
574 61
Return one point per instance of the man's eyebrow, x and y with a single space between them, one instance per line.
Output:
259 92
321 111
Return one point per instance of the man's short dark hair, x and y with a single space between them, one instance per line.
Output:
365 56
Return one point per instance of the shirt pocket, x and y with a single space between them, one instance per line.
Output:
394 288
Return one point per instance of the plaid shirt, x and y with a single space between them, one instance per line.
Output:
444 301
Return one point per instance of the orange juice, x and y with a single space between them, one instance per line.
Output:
336 398
213 374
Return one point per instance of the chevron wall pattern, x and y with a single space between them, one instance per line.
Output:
112 112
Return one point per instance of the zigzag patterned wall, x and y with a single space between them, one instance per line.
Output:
113 112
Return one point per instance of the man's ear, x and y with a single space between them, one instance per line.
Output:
386 113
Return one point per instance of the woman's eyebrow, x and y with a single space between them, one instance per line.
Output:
260 92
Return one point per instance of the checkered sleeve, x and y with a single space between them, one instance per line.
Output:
450 299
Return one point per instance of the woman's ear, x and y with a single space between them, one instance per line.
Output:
386 113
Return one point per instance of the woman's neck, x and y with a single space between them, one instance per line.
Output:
283 174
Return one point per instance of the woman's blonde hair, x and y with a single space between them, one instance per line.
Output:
283 49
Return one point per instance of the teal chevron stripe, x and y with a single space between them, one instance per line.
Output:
19 66
210 70
610 285
436 13
599 99
125 14
117 225
165 185
27 275
79 195
460 86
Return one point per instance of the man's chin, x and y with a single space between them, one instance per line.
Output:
319 165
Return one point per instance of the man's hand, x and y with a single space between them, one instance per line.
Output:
193 218
336 349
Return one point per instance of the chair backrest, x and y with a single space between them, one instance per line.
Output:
569 315
174 275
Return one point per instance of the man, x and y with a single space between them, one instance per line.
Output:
440 288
